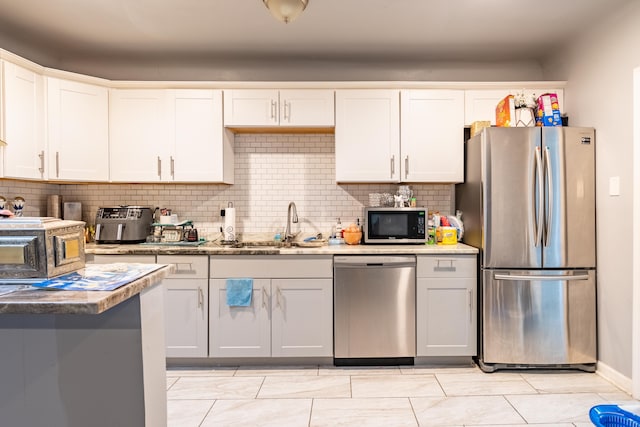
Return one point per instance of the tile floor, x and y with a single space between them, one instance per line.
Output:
385 396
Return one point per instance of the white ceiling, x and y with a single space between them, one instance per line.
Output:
58 31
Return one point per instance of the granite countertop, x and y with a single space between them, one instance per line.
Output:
260 248
30 300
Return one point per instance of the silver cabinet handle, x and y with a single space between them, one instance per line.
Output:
41 168
550 195
173 172
264 297
200 297
278 296
57 164
274 104
445 263
188 268
287 111
159 167
406 167
470 306
393 165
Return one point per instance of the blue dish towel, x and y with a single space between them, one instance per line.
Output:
239 292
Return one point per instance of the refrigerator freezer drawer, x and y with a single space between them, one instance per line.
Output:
539 317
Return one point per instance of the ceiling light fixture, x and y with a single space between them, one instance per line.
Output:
286 10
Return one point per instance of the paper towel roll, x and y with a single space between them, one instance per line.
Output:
230 224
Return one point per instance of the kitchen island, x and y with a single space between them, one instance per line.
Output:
84 358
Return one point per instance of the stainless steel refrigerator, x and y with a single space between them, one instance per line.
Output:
528 204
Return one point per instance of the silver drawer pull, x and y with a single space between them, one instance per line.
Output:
445 263
187 269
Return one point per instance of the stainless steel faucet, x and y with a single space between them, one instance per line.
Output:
292 216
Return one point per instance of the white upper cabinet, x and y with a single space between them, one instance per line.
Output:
168 136
270 107
432 135
367 135
138 135
23 122
480 104
202 150
77 130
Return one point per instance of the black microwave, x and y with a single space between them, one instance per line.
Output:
395 225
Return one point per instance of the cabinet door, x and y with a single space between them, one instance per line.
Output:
432 129
312 107
186 317
247 107
77 130
239 331
187 305
24 123
367 135
480 105
302 320
446 317
200 151
138 135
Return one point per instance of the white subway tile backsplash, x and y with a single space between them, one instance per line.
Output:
270 171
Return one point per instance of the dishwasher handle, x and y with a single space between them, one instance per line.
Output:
358 261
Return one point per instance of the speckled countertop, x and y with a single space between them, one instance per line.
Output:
259 248
30 300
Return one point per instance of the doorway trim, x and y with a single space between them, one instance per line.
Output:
635 347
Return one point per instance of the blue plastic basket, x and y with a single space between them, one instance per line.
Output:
613 416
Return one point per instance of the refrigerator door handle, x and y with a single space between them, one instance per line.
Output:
549 216
540 277
540 194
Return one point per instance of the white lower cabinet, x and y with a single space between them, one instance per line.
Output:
446 305
186 300
291 311
186 305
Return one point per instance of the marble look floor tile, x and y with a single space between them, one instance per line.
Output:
303 386
396 412
569 382
464 410
555 408
481 384
359 370
286 371
171 381
187 413
260 412
618 397
201 372
215 388
395 386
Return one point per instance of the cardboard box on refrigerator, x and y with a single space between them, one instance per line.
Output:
506 112
548 110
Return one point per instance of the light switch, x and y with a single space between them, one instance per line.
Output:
614 186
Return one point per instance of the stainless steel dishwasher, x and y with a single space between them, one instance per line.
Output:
374 309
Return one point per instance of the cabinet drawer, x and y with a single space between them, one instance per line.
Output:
446 266
110 259
187 266
272 266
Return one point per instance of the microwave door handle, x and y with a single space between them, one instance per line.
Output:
119 235
98 230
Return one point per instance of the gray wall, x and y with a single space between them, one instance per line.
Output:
599 69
